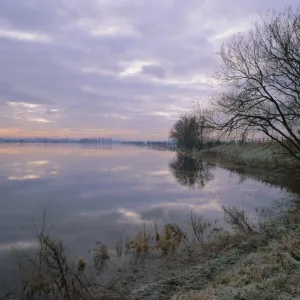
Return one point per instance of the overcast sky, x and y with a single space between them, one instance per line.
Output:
120 68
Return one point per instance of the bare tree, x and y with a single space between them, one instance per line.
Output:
191 130
185 131
205 128
261 71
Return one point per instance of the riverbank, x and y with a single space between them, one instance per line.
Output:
264 265
251 259
263 156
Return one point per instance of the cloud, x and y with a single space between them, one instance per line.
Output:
9 94
155 71
22 104
41 120
135 67
121 66
24 36
105 30
30 112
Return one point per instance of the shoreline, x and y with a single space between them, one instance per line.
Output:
248 159
249 260
251 162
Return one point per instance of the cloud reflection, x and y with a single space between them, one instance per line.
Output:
160 173
33 169
189 204
20 245
129 216
25 177
116 169
39 162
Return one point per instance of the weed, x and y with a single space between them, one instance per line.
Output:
100 256
237 218
119 247
199 227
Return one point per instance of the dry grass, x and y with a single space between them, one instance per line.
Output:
49 274
208 295
100 256
150 239
243 264
261 263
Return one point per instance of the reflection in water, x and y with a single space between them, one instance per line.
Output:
191 172
289 182
32 169
25 177
96 193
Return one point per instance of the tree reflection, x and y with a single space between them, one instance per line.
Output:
191 172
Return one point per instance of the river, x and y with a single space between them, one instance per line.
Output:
100 193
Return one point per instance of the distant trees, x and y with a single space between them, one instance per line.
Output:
191 130
260 71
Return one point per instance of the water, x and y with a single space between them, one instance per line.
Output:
98 194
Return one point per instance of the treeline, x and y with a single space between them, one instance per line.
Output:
259 94
57 140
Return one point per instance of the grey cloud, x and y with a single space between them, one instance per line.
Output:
164 46
7 94
156 71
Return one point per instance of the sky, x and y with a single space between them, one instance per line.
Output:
124 69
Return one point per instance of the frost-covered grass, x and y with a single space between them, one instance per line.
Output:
266 265
257 155
247 261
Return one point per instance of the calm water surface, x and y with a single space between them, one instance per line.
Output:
95 194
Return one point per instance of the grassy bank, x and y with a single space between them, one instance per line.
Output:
263 266
247 260
264 156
